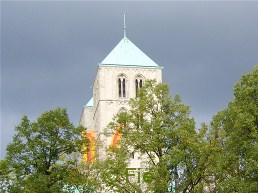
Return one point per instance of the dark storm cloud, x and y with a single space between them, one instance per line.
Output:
50 51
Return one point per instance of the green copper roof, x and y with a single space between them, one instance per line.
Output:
90 103
127 54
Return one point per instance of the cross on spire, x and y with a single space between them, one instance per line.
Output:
124 27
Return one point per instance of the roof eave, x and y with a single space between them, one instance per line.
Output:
130 66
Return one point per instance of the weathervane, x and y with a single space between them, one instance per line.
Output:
124 27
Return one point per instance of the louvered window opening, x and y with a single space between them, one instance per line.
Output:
121 87
138 84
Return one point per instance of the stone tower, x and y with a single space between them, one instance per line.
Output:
119 75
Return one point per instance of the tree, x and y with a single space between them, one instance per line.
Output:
41 155
113 171
158 130
236 131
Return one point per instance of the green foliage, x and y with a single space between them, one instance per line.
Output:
158 130
39 159
113 171
236 131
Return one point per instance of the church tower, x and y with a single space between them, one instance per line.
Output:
119 76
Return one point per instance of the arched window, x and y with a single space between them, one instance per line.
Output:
122 110
122 86
138 83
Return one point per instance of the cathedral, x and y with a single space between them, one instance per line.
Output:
122 72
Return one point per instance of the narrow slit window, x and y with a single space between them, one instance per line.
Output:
119 87
138 85
133 155
124 88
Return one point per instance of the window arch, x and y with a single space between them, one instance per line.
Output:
122 86
139 80
122 110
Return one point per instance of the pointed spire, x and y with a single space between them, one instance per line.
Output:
124 27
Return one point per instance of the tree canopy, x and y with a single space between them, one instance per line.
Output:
220 157
236 131
176 156
39 157
159 129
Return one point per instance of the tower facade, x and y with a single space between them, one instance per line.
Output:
118 78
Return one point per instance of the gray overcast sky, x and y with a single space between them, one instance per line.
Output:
50 51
